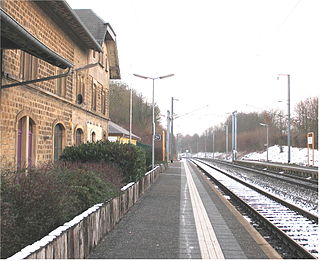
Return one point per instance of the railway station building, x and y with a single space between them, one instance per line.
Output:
55 71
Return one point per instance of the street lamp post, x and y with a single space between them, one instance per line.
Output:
267 126
289 120
227 141
234 135
153 121
213 145
172 136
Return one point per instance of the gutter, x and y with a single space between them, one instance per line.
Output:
29 43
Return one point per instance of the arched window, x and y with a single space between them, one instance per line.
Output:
79 136
94 97
25 143
104 135
58 141
80 88
93 136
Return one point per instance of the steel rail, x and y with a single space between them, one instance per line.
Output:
310 184
299 250
287 204
293 169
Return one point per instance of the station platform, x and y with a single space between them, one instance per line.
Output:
183 216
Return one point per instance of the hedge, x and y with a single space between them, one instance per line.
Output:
35 202
129 158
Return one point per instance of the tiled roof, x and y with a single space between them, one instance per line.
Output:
62 13
97 27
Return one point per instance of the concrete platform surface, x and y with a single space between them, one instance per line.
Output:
184 216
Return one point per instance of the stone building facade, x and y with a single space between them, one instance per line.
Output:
41 39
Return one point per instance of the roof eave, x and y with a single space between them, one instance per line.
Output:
73 22
14 36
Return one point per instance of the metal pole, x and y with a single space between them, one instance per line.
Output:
267 141
232 136
289 122
205 145
171 129
198 147
153 124
213 145
163 146
168 134
226 141
130 135
235 136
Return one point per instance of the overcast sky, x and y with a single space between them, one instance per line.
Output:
224 53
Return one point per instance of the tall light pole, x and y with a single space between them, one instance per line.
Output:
234 135
289 120
172 136
226 141
213 145
130 117
153 121
205 145
168 135
267 126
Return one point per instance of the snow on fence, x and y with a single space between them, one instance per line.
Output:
77 238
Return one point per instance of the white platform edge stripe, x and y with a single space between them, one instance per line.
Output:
209 245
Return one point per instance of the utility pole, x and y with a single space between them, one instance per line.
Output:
234 135
280 141
213 145
289 122
171 129
130 121
205 145
289 118
168 135
227 141
153 117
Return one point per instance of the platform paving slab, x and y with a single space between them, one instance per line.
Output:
161 225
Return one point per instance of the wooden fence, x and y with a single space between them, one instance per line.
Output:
77 238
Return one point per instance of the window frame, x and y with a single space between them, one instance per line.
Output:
56 156
26 141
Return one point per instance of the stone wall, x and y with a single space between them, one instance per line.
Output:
42 102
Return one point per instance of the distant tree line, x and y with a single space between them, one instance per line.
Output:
252 136
141 114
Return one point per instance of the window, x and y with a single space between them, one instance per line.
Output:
61 84
79 136
28 66
103 102
93 137
25 142
58 141
80 88
94 97
106 67
101 56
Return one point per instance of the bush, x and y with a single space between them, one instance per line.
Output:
32 205
129 158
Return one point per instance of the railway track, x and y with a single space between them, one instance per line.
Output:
306 183
293 170
295 227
